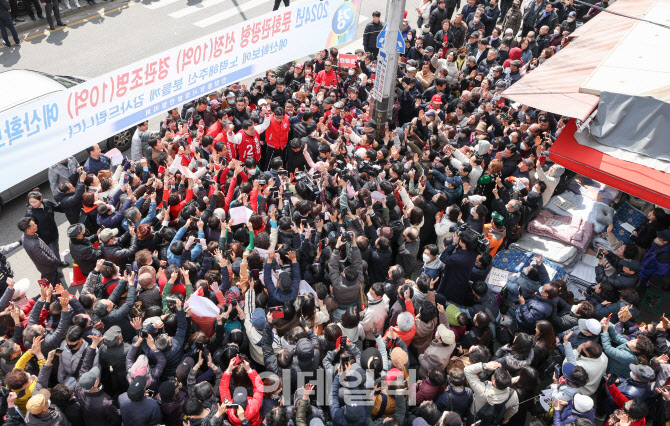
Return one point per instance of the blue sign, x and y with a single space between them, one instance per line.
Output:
381 38
400 44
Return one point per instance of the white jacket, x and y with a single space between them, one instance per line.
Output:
594 366
375 313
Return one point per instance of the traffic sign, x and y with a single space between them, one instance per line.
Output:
381 38
400 43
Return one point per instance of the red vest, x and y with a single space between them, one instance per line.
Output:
276 135
249 147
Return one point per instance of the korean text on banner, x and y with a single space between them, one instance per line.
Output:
39 133
347 61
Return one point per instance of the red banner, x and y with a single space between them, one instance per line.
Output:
347 61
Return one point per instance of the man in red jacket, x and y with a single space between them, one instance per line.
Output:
326 78
248 140
276 137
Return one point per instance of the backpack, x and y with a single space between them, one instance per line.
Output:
100 291
186 107
492 415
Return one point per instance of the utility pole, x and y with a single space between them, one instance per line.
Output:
387 65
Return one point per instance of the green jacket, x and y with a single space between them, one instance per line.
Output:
619 354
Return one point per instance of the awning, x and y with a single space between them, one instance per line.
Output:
644 182
555 85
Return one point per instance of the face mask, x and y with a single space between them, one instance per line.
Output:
574 309
251 172
523 146
426 258
571 19
461 56
555 32
373 70
480 110
72 347
507 70
351 72
533 66
409 36
475 20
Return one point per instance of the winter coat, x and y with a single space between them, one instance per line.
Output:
346 293
54 417
633 389
513 363
619 279
145 412
619 354
370 35
117 253
84 253
97 407
568 415
551 180
43 216
427 391
436 17
458 265
70 365
620 399
455 399
119 316
252 412
43 258
656 263
71 202
277 296
437 355
534 310
172 411
375 314
485 392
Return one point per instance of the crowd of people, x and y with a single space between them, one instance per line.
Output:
264 257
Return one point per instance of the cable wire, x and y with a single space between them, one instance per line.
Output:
602 9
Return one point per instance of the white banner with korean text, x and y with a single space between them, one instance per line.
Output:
37 134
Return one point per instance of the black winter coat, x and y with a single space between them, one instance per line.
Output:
71 202
84 253
456 274
47 229
370 35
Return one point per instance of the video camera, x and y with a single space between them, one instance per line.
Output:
311 186
473 240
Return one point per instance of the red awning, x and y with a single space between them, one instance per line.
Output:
554 85
644 182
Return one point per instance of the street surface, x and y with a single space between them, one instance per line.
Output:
110 35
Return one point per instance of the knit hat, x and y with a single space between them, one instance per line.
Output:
20 288
399 357
582 403
452 313
87 380
452 419
258 318
137 387
446 334
497 219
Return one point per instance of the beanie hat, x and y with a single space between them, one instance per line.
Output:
582 403
137 387
167 391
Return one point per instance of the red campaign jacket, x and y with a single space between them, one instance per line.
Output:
249 147
252 412
276 135
324 79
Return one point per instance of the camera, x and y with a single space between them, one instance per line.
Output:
312 188
600 254
346 236
262 182
473 240
144 334
171 303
